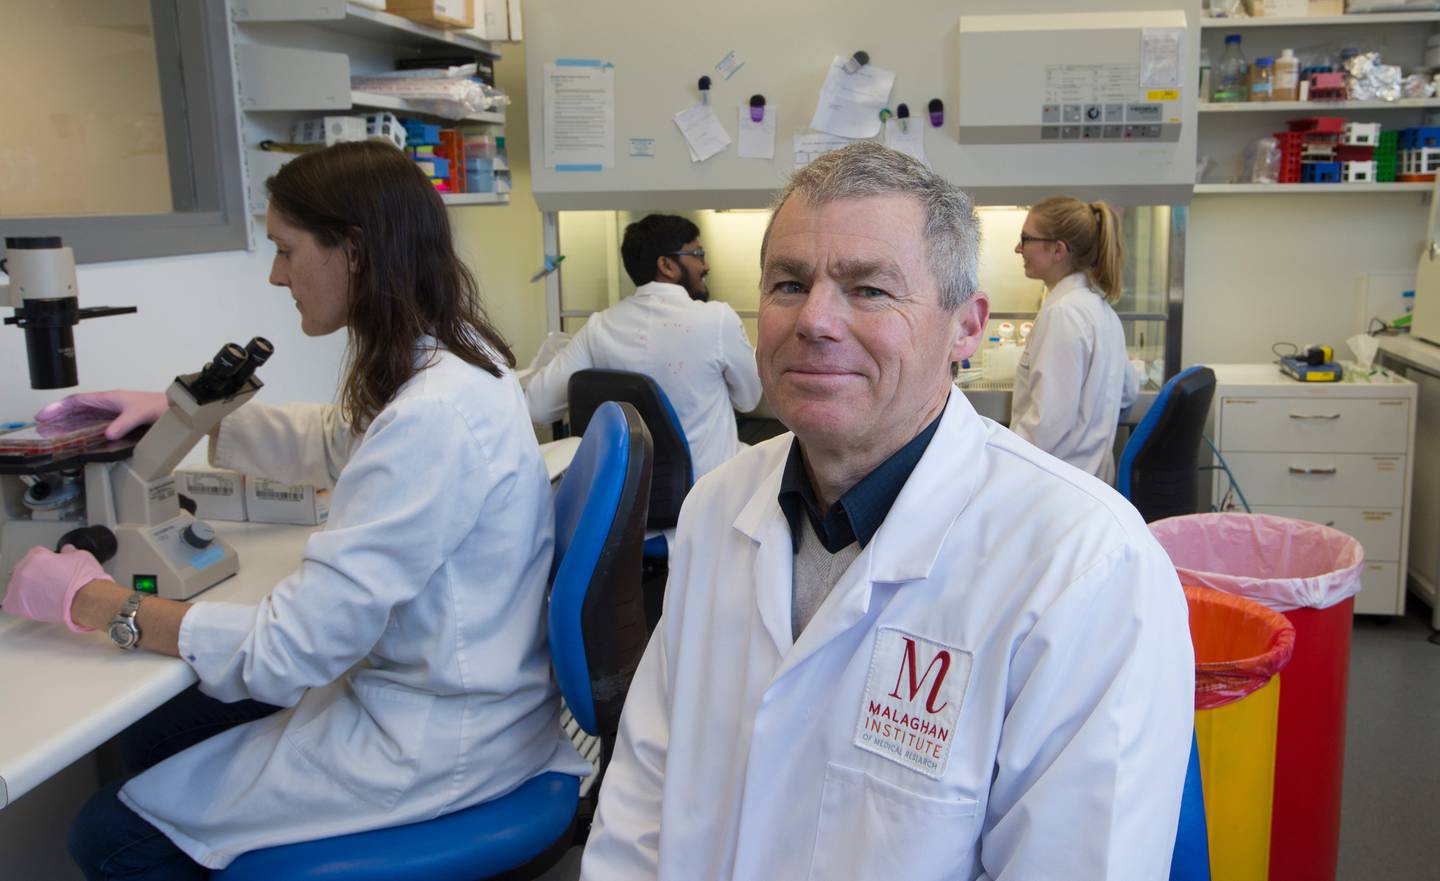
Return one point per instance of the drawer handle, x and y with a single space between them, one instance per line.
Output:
1295 469
1328 417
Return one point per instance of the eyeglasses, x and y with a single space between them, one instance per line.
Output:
1026 239
693 252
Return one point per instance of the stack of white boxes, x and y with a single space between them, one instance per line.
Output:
229 495
1336 453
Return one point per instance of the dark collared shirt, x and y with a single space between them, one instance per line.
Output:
860 511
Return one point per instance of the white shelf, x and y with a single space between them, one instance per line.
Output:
373 101
1320 108
360 21
1309 189
1301 21
475 198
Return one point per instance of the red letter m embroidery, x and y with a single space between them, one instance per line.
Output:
907 662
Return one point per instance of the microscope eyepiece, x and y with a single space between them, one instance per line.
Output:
259 349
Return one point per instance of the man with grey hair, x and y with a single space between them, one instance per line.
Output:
901 643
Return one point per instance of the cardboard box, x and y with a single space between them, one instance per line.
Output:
1327 7
1277 8
269 501
218 494
436 13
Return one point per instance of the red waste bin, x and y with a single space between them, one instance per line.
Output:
1310 573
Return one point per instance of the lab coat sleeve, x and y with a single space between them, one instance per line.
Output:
742 378
297 443
1096 737
392 526
624 842
1130 393
548 393
1059 355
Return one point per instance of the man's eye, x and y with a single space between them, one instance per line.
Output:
789 287
871 293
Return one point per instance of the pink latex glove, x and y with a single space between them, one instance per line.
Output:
44 584
131 409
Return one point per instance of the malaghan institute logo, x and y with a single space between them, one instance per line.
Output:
912 698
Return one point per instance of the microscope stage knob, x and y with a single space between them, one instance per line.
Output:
199 535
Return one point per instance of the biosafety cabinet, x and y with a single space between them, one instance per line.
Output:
1036 99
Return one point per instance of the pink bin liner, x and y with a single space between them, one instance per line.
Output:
1278 562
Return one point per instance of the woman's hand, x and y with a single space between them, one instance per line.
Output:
130 409
44 584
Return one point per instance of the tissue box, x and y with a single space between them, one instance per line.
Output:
1277 8
218 494
439 13
269 501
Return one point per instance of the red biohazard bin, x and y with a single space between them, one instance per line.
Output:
1311 574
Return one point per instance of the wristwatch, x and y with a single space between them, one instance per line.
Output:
124 632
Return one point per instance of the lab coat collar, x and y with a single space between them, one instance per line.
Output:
909 540
904 549
662 289
1075 281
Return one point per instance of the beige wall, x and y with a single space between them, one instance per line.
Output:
504 245
1269 268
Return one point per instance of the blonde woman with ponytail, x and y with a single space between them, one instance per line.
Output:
1074 377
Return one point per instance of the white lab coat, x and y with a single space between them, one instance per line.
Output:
697 353
1067 707
409 646
1074 378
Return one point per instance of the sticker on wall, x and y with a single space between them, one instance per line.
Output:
642 148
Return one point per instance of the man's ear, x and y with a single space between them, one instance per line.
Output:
666 269
970 328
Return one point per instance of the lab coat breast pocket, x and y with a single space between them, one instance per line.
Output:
368 739
873 829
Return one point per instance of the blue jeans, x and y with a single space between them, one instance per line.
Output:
110 842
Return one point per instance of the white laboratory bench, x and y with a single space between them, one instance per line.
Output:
63 694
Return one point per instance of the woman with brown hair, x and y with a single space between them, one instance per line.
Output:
1074 376
407 651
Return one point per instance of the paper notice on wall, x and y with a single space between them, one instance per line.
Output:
579 115
1161 51
850 103
811 144
703 132
907 136
757 139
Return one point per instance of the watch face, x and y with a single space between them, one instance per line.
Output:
122 635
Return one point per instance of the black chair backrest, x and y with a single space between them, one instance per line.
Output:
672 472
596 612
1164 469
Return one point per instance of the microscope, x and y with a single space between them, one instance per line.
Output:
115 499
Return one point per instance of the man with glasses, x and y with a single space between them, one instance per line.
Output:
696 350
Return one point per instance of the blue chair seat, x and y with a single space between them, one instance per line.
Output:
473 843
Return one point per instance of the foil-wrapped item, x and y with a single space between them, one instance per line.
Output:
1417 85
1370 80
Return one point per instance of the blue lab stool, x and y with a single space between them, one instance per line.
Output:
1191 858
597 635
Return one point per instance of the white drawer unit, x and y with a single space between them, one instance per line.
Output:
1334 453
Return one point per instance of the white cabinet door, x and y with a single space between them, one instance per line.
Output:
1320 479
1314 425
1377 529
1380 590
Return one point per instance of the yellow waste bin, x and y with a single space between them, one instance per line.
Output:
1240 648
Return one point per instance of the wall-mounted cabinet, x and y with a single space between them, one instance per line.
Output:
296 58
